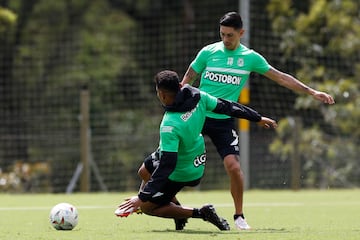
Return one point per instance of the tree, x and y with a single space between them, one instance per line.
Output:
49 51
11 31
324 43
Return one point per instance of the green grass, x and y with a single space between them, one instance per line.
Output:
285 215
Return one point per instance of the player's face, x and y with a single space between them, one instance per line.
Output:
158 93
230 37
160 96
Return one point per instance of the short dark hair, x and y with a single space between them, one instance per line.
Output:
231 19
167 80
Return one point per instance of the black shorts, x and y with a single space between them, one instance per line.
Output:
223 134
170 189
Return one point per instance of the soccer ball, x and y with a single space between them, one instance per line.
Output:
64 216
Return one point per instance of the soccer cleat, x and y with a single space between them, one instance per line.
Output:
180 223
241 224
209 214
121 213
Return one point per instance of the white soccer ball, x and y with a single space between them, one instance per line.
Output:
64 216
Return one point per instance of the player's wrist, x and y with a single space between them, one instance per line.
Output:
311 91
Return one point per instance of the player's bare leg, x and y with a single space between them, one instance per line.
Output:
171 210
233 169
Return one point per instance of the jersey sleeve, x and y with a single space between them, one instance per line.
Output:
169 141
199 63
169 144
237 110
260 65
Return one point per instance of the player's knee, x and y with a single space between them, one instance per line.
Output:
140 170
232 165
148 209
145 210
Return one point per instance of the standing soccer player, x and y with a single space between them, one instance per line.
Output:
182 150
224 67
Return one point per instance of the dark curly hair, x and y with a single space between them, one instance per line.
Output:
167 80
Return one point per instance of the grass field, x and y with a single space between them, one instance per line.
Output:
280 215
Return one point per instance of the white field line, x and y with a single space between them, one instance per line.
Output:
49 208
225 205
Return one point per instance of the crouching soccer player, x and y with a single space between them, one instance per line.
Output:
182 150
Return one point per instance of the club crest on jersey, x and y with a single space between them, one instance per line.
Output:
240 62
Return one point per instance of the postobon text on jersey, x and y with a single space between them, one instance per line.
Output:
223 78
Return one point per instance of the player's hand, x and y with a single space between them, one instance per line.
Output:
267 123
323 97
131 203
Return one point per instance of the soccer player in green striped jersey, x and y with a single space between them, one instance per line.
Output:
223 68
182 155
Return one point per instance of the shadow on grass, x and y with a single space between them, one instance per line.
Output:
188 231
233 231
268 230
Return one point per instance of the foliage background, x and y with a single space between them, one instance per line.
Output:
51 50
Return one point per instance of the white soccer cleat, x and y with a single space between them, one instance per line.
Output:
124 213
241 224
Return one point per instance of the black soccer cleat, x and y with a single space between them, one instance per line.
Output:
209 214
180 223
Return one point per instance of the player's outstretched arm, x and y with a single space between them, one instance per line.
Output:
294 84
238 110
